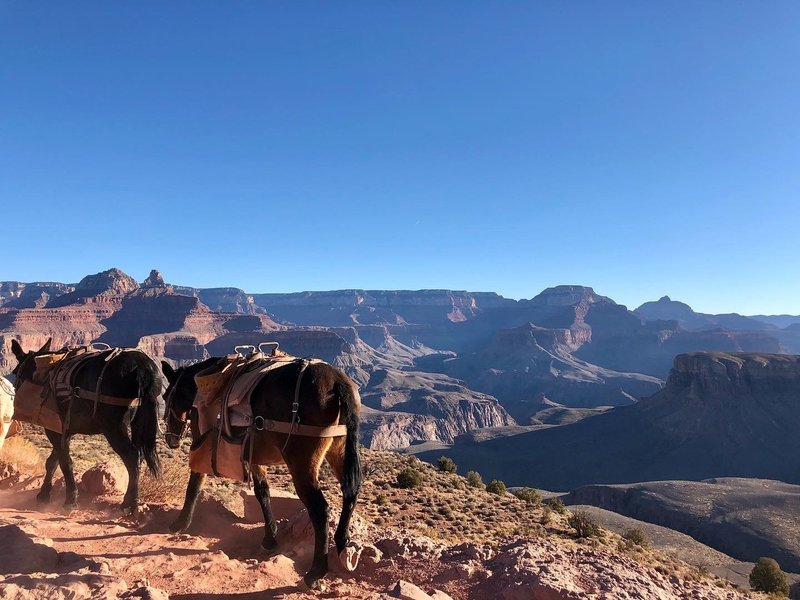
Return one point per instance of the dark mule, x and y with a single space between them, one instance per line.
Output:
326 396
127 375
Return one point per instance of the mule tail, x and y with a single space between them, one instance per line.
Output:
144 428
352 475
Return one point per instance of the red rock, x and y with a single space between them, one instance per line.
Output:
104 479
408 591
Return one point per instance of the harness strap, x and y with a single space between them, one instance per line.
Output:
106 399
262 424
107 361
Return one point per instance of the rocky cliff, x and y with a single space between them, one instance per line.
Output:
369 307
719 415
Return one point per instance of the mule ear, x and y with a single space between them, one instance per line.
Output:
17 350
46 347
168 371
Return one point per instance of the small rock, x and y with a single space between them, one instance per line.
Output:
440 595
408 591
145 593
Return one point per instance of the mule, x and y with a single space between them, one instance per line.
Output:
128 375
326 395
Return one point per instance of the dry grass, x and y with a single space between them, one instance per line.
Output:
23 454
167 489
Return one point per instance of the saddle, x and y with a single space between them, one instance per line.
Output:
37 401
224 414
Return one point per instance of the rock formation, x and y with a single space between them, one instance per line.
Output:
666 309
719 415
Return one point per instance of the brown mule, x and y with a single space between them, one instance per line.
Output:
326 397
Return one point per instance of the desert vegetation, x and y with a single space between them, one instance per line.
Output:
768 577
497 487
583 525
447 465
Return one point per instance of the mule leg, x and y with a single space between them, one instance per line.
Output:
335 458
261 489
304 466
120 442
65 462
196 481
49 469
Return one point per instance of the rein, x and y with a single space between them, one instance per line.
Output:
169 412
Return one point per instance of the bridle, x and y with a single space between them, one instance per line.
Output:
18 381
170 413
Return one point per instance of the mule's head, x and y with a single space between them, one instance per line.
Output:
26 365
178 400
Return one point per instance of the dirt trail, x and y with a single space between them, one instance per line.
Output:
221 558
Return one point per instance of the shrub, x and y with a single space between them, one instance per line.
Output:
23 455
556 505
583 525
529 495
170 488
474 479
409 478
495 486
547 515
635 537
767 576
447 465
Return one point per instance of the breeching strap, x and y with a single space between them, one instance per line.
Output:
296 403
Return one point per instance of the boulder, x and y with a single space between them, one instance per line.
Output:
104 479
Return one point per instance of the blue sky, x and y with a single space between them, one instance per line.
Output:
642 148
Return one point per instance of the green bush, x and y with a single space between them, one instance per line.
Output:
767 576
447 465
495 486
474 479
409 478
635 537
583 525
529 495
556 505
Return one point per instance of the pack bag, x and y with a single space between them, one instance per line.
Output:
215 453
33 403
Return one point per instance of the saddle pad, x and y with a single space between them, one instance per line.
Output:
245 382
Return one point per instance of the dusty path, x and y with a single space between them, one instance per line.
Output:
220 559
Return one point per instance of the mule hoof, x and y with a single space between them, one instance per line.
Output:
178 527
42 498
349 558
269 545
311 582
69 507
